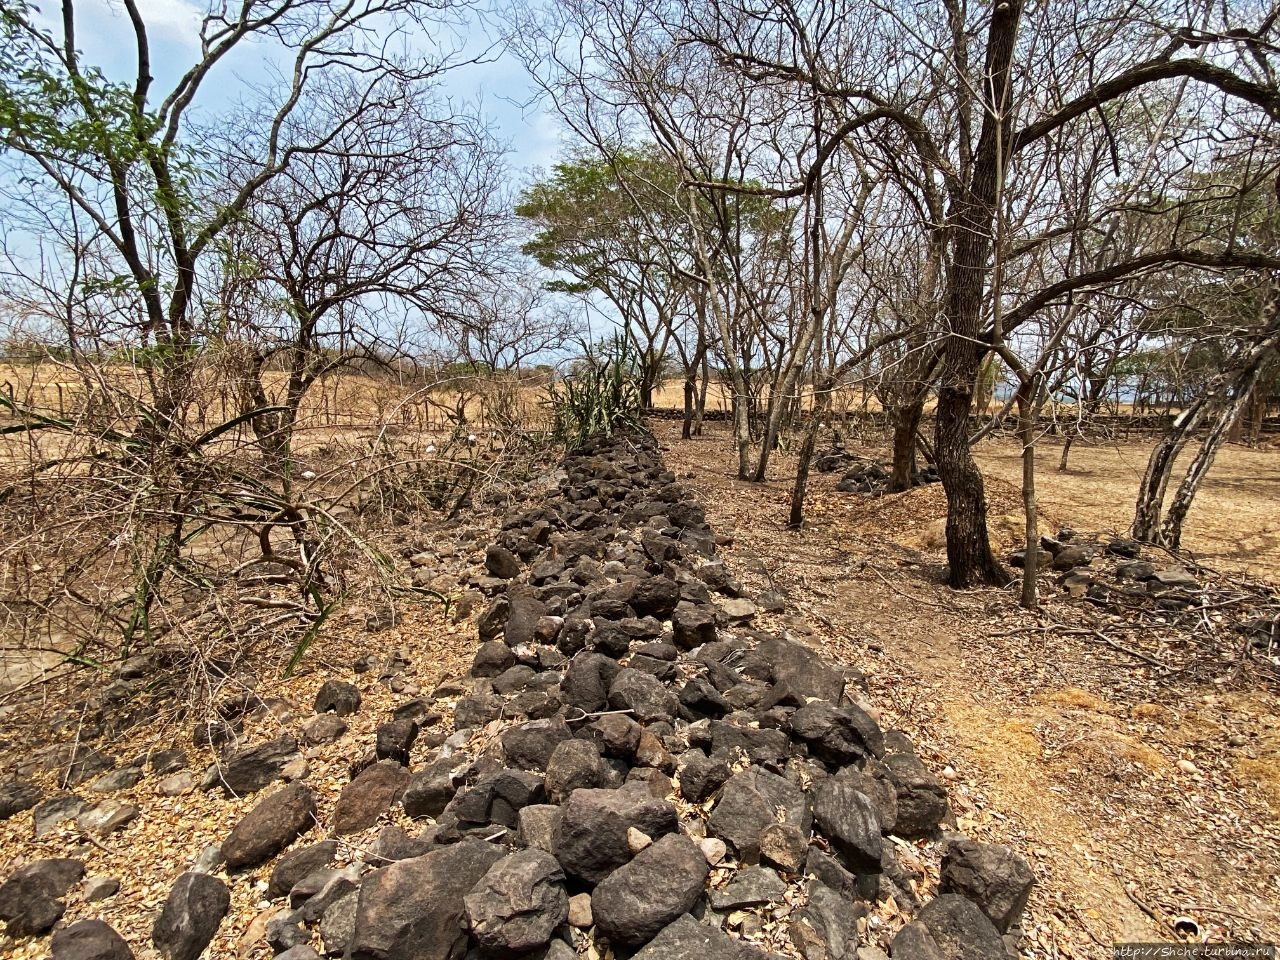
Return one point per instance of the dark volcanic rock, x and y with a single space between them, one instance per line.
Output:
518 904
501 562
635 902
17 796
693 625
191 915
922 799
492 658
648 698
395 739
529 746
849 820
839 735
749 802
577 764
429 790
89 940
31 900
270 826
960 930
248 771
369 796
587 681
413 909
701 776
992 876
687 939
655 596
591 838
338 696
297 864
749 887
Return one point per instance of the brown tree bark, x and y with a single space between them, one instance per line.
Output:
969 553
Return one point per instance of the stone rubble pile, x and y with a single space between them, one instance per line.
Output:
634 767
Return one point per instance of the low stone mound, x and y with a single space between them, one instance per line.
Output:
639 761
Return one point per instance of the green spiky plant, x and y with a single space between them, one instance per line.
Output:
601 397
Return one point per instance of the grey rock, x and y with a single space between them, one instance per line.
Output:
57 809
648 699
338 924
501 562
687 939
114 780
249 770
297 864
178 785
192 913
518 903
693 625
429 790
587 681
784 846
639 899
107 817
97 889
31 899
324 728
655 596
839 735
413 909
915 942
701 776
960 930
591 838
394 740
921 797
537 825
616 734
749 802
89 940
991 875
529 746
16 796
577 764
826 928
492 658
274 823
749 887
369 796
338 697
849 820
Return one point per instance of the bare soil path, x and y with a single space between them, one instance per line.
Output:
1139 800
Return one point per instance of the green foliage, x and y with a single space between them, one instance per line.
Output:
601 396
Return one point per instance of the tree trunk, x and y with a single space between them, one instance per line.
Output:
968 543
906 422
1066 452
690 391
1027 436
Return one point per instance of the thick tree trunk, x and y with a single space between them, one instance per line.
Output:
906 423
690 394
968 544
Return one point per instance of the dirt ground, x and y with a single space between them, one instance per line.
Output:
1143 800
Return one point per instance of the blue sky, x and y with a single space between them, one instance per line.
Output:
499 85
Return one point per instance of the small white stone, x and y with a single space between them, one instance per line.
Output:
637 840
714 850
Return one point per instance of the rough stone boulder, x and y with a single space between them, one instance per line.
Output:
249 770
921 797
518 903
269 827
338 696
957 929
839 735
749 802
991 875
590 839
89 940
413 909
369 796
192 913
665 880
31 900
849 820
688 939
